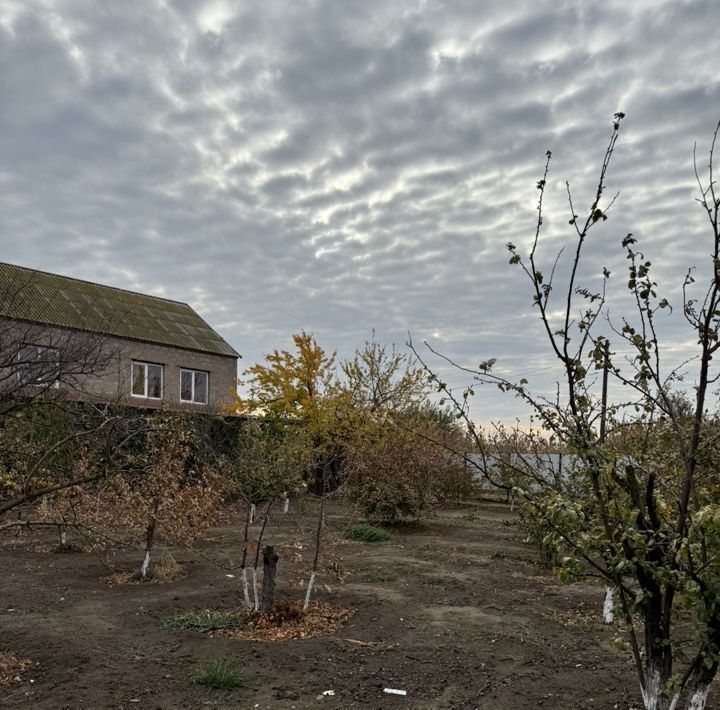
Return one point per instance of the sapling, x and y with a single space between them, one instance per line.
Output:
257 554
318 538
162 492
243 568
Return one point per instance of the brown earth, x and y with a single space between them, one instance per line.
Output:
458 613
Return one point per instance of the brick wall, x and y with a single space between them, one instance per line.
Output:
113 384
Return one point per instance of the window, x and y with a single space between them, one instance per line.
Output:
38 366
194 386
147 380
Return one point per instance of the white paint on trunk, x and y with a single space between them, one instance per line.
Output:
145 565
698 698
286 506
653 685
608 606
252 513
255 594
512 503
63 538
309 590
674 701
246 591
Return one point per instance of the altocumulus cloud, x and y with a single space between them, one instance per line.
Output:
341 166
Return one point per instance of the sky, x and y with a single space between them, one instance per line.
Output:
343 167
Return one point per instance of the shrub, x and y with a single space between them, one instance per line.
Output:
367 533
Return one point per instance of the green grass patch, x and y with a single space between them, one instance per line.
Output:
470 517
219 673
205 620
498 555
361 532
378 576
433 579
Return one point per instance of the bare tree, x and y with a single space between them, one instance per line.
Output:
38 360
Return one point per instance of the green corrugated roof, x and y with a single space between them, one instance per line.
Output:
40 297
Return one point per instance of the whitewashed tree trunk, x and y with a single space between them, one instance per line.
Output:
149 540
252 513
308 594
651 694
246 590
698 697
145 565
609 605
255 589
286 504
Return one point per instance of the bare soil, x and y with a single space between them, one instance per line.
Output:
457 612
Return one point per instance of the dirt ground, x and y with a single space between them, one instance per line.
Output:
457 612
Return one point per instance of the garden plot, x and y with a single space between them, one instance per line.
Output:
456 612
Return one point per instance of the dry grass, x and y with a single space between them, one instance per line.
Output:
166 570
289 621
11 667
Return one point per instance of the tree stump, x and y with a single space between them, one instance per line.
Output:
270 560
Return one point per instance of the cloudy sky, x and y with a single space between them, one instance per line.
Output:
342 166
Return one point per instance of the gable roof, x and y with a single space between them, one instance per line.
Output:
51 299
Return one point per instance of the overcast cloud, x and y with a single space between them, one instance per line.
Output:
342 166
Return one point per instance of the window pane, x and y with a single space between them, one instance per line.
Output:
37 365
138 379
25 368
186 381
201 387
47 365
154 381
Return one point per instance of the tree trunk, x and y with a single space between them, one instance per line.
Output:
149 539
318 537
699 686
609 605
243 568
270 560
256 598
257 555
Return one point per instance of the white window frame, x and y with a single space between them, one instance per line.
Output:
207 387
147 365
38 349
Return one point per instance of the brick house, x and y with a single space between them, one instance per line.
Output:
105 344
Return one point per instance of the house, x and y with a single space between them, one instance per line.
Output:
104 344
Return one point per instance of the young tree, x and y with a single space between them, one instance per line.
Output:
51 447
380 379
401 468
269 462
296 387
161 491
641 510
